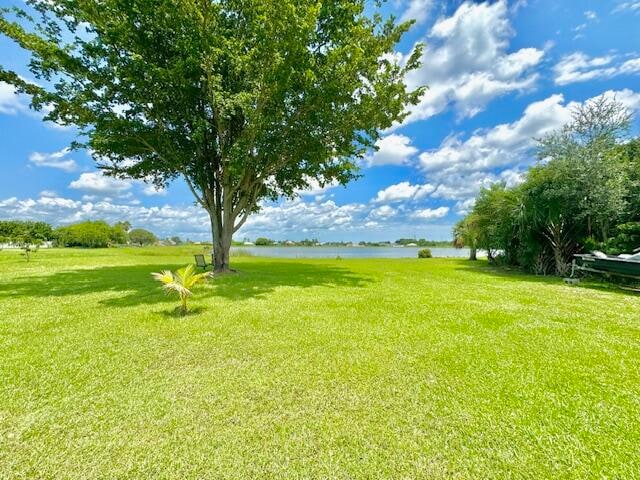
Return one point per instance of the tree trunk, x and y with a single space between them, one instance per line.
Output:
562 266
560 244
222 234
473 253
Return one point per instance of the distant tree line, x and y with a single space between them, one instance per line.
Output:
264 241
11 231
29 235
421 242
583 195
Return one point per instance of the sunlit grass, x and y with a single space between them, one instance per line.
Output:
312 369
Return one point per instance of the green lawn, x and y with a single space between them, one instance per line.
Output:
313 369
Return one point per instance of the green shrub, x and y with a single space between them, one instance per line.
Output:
626 239
590 244
11 230
140 236
263 242
424 253
97 234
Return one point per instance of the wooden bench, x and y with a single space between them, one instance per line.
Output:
201 261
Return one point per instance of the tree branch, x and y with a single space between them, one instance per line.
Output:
193 190
244 218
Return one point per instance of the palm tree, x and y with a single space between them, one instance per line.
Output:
465 234
181 281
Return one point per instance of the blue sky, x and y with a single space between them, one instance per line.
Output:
500 74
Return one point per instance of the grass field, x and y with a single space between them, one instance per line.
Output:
312 369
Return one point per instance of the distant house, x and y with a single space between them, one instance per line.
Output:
412 244
248 244
47 244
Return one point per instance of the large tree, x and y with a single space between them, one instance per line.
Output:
590 174
245 99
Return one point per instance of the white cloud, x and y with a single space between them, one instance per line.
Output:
579 67
579 31
518 4
151 190
469 63
97 183
403 191
632 6
392 150
8 202
511 178
383 211
464 187
291 218
166 220
11 102
628 98
417 10
463 207
591 15
431 213
498 146
297 215
36 209
459 168
315 189
326 219
54 160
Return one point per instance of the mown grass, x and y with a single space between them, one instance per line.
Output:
313 369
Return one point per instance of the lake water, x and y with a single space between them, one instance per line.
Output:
351 252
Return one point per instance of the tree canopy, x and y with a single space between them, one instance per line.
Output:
244 100
26 235
584 194
140 236
12 229
90 234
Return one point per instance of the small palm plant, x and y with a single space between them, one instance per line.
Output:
181 281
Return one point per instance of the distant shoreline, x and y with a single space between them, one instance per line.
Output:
348 251
337 245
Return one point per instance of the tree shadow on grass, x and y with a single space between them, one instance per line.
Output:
134 284
516 275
